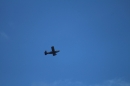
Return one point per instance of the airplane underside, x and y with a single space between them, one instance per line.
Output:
53 51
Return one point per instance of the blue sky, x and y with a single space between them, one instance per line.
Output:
93 37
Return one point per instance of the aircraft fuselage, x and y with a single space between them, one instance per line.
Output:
53 52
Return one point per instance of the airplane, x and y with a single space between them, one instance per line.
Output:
53 52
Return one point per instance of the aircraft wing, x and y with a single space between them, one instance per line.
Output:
54 54
52 48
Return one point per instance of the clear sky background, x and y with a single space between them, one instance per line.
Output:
93 37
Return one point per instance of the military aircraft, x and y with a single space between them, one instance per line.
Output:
53 52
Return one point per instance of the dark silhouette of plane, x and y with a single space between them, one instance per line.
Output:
53 51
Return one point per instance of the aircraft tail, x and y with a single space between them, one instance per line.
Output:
45 52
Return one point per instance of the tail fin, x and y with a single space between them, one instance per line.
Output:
45 52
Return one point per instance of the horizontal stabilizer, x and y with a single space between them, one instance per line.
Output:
45 52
